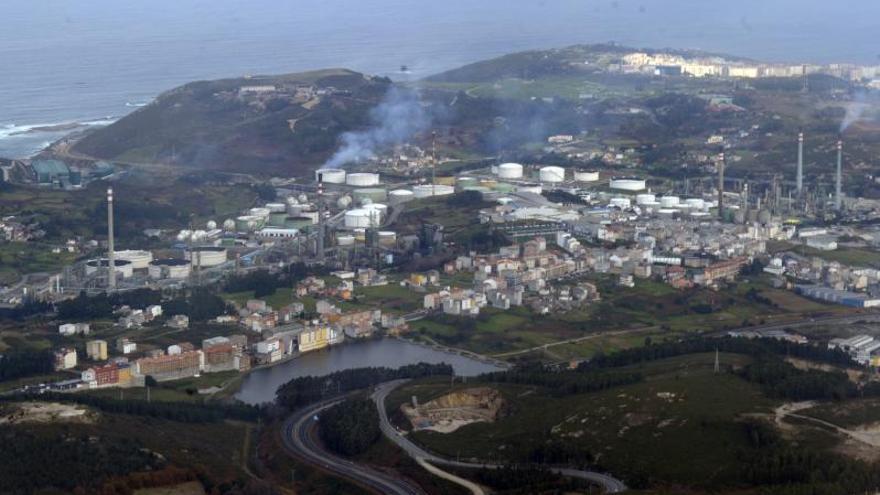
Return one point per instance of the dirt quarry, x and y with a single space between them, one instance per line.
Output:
44 412
452 411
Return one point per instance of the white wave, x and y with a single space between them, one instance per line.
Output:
12 130
136 104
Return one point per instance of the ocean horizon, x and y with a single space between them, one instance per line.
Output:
90 63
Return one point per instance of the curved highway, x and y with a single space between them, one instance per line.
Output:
298 440
610 484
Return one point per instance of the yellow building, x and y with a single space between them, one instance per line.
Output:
96 350
314 338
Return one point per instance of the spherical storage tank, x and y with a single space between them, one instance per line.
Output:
119 266
362 179
628 183
551 174
206 256
229 224
139 259
175 268
510 171
586 176
330 175
211 225
362 218
343 202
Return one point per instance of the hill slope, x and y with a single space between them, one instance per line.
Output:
274 124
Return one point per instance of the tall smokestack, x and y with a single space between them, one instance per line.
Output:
721 186
111 254
319 245
839 178
800 164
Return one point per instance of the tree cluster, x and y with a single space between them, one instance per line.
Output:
564 382
308 389
350 427
25 363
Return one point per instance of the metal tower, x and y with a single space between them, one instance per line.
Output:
800 164
839 178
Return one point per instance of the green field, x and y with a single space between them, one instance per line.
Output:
688 437
19 258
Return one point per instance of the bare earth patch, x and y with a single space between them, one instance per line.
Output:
45 412
452 411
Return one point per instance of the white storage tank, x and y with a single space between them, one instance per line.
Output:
139 259
551 174
400 196
530 188
361 179
175 268
330 175
586 176
621 202
362 218
276 207
645 199
345 240
206 256
343 202
427 190
628 183
229 225
247 223
696 203
510 171
669 201
259 212
122 267
387 238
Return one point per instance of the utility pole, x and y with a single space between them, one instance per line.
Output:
111 254
717 362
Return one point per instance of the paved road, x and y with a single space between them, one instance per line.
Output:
611 484
297 435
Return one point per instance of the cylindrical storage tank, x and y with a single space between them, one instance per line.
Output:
551 174
345 240
427 190
371 193
400 196
621 202
628 183
510 171
362 179
504 187
645 199
139 259
247 223
295 210
206 256
298 223
276 207
489 183
669 201
122 267
530 188
276 219
667 211
586 176
387 238
358 218
259 212
696 203
360 234
175 268
330 175
463 182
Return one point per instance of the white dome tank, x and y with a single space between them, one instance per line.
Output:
344 202
291 200
510 171
330 175
551 174
427 190
211 225
628 183
229 224
645 199
400 195
362 218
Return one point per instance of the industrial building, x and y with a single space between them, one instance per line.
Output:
846 298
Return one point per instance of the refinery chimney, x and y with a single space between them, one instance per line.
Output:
838 178
721 186
111 254
319 242
800 164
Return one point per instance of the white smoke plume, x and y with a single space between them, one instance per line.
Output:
398 117
854 111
